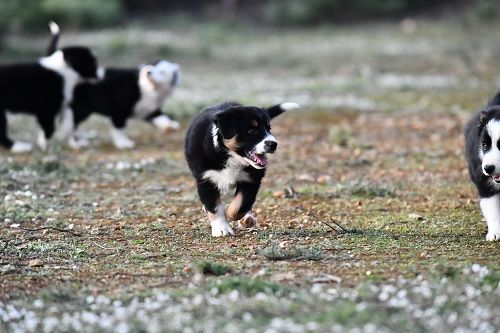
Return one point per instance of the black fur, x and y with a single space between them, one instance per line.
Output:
36 90
115 97
234 121
475 136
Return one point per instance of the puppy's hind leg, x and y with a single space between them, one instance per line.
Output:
491 211
210 197
162 121
239 208
15 147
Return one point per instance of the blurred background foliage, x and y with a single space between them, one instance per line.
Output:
18 15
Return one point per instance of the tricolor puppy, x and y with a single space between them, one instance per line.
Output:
43 89
482 144
226 147
127 93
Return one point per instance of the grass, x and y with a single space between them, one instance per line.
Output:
210 268
274 252
382 157
248 286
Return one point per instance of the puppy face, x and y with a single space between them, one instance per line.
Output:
164 75
82 61
490 150
246 131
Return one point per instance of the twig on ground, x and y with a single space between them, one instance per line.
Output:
338 225
140 275
339 228
46 228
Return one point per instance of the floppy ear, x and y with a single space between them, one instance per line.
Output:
482 119
482 116
146 70
278 109
227 123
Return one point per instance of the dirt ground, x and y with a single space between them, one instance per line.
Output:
369 183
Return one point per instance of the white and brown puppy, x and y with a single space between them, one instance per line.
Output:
128 93
225 148
482 144
43 89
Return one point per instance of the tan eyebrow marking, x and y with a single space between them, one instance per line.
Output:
254 123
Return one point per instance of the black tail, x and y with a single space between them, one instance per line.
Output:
54 30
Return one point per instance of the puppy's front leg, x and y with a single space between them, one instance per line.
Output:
210 197
239 208
48 126
491 212
118 135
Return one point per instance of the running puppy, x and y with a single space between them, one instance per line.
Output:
43 89
482 144
226 147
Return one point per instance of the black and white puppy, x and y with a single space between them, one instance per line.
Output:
43 89
225 148
482 144
122 94
127 93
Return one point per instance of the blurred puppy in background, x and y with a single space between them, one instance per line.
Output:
43 89
123 94
126 94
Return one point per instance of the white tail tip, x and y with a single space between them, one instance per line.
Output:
54 28
289 106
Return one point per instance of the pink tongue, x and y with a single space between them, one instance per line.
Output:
262 160
496 178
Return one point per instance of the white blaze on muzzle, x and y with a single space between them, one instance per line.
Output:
492 156
260 148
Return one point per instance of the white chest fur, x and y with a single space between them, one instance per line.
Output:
57 63
152 98
227 178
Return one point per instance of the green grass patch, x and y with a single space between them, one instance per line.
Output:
248 286
274 252
211 268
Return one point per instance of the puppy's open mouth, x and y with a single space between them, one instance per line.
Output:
496 179
261 159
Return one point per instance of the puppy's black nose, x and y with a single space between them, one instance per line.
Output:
270 146
489 169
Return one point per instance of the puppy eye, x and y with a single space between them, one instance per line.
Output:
486 146
252 131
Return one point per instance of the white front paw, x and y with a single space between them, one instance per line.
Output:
173 125
41 140
164 123
220 228
493 236
124 143
77 143
21 147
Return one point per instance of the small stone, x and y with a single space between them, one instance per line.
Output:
35 263
279 194
323 179
305 177
415 216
